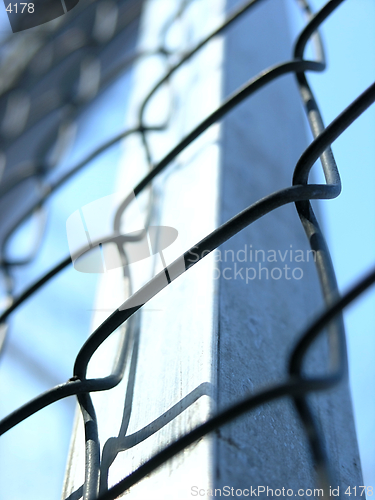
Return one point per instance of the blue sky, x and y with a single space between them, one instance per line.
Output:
349 37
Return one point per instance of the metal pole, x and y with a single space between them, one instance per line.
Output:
225 328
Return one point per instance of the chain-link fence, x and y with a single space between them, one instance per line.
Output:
49 78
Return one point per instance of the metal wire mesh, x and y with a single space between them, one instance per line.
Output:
71 61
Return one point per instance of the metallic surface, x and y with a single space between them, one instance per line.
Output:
297 384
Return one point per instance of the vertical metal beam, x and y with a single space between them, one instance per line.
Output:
226 327
260 321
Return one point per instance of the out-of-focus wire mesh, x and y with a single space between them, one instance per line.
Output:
49 78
